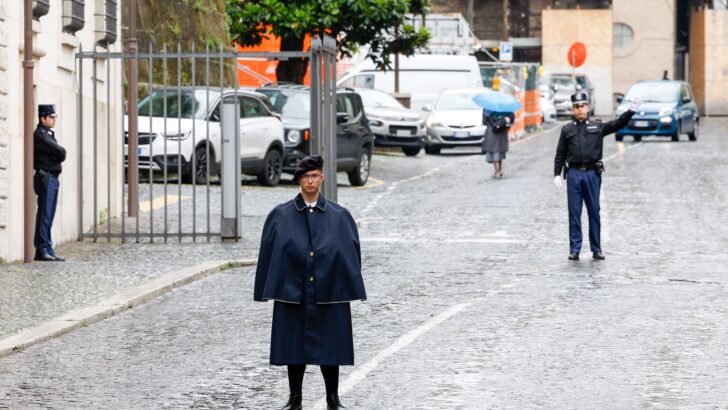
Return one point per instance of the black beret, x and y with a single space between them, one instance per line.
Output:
46 109
579 98
308 163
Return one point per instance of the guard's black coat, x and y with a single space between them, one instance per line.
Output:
310 264
47 154
582 141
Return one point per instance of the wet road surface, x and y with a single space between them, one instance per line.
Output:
472 302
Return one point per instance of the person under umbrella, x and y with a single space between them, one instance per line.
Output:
310 265
495 141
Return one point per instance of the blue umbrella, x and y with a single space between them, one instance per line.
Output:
496 102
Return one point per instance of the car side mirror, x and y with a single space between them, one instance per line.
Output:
686 99
427 108
342 117
620 99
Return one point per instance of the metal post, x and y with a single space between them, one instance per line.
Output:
505 20
230 173
79 126
28 111
95 145
133 167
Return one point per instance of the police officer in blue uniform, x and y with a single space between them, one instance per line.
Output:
578 158
47 158
310 264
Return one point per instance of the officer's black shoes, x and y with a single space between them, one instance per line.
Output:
573 256
59 258
598 256
294 402
333 402
44 257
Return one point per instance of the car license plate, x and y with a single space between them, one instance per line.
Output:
641 124
404 133
461 134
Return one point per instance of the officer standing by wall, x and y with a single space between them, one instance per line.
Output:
47 156
579 156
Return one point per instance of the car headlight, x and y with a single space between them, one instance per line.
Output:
667 111
293 136
375 122
666 120
178 136
421 124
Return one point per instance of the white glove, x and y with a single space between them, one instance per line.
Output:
557 181
634 104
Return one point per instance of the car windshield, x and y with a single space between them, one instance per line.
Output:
376 99
457 102
565 83
653 92
289 104
180 103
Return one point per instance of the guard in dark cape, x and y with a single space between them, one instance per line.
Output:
310 265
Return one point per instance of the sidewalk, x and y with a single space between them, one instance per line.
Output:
37 293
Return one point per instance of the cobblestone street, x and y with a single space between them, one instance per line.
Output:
472 301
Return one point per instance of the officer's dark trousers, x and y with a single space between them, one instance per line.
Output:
46 187
583 188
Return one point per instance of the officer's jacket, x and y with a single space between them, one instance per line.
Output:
581 141
47 154
294 232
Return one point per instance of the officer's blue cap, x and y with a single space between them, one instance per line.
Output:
580 98
45 110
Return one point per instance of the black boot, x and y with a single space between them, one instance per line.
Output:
294 402
333 402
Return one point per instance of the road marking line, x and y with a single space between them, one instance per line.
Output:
361 373
377 182
441 241
621 150
158 202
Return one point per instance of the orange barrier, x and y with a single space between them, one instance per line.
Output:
255 72
532 106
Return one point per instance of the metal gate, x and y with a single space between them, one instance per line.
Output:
162 192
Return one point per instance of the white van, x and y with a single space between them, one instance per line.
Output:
422 76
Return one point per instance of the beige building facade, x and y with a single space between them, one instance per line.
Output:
56 81
561 29
645 42
709 60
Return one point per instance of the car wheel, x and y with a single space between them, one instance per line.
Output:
619 138
202 162
360 175
693 136
272 168
432 149
411 151
637 138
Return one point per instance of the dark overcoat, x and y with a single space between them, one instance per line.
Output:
310 264
495 141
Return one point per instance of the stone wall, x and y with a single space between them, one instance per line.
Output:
709 61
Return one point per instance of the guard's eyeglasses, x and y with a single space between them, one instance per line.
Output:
311 177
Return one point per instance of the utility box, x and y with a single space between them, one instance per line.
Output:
231 222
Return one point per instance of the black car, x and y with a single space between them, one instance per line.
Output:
354 137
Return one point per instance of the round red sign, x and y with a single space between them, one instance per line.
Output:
577 54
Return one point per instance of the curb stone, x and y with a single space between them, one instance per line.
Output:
114 305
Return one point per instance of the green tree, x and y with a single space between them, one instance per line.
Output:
380 24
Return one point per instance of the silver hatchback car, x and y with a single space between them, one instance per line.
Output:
393 124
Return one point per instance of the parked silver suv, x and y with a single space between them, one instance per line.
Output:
393 124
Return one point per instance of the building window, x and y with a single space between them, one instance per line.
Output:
105 22
73 17
40 8
623 35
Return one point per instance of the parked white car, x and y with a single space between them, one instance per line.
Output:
548 111
392 124
455 121
188 126
422 76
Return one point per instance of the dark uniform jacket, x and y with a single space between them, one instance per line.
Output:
284 247
47 154
581 141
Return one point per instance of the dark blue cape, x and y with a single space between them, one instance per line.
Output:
284 249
